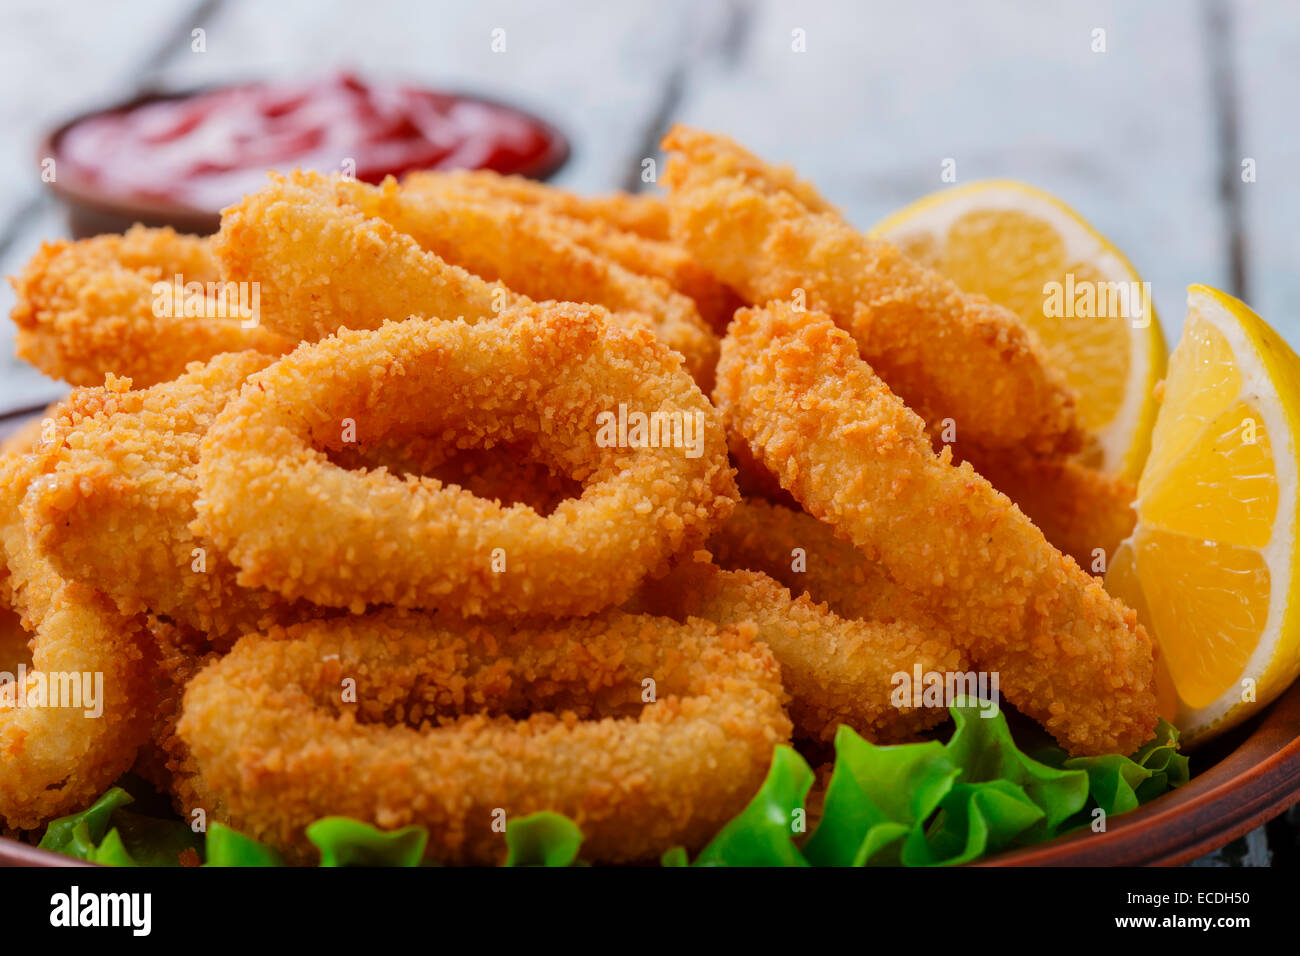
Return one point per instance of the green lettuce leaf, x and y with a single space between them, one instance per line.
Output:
229 847
346 842
875 796
763 833
63 836
542 839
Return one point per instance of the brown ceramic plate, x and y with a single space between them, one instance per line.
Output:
93 210
1239 782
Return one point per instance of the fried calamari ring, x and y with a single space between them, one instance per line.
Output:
794 387
113 507
948 354
643 215
511 245
837 671
1079 509
86 309
298 524
324 262
807 556
54 760
648 257
430 739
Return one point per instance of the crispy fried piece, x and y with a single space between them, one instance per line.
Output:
1069 655
164 760
54 760
432 740
323 264
1079 509
297 524
715 156
327 258
837 671
643 215
807 556
114 506
647 257
86 309
511 245
946 353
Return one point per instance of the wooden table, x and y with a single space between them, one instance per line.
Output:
1147 138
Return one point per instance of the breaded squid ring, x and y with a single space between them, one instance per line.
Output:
794 387
54 760
332 253
837 671
643 215
298 524
113 507
647 257
86 309
429 738
947 353
1079 509
512 245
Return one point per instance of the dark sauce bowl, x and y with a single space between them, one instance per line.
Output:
92 208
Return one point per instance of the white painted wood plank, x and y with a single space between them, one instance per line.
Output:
58 59
887 91
596 69
1266 53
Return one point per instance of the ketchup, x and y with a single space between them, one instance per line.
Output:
205 151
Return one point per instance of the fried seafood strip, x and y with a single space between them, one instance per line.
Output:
56 759
86 309
1079 510
645 216
298 524
116 499
333 253
324 265
836 671
946 353
715 156
807 556
1069 655
508 244
636 253
164 760
431 740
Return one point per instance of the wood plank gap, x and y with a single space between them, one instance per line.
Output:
1224 99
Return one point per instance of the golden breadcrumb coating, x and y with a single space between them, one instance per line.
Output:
1079 509
647 257
508 244
298 524
948 354
326 258
642 215
1069 655
836 671
86 309
55 760
116 499
431 739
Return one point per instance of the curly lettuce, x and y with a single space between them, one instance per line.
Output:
920 804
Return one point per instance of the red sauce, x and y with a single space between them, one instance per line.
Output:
207 150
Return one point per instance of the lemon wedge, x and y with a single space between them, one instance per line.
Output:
1211 566
1028 251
